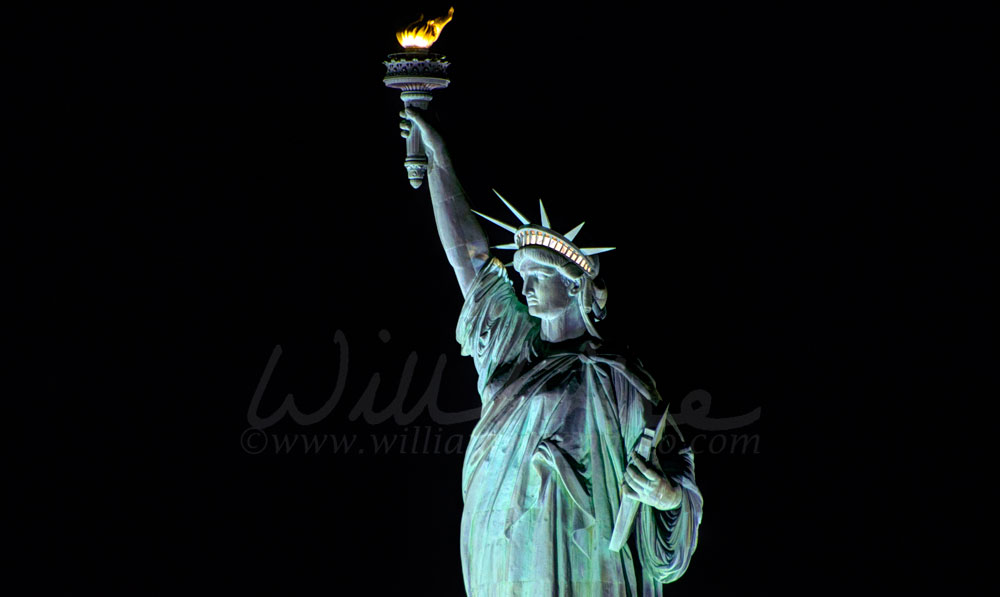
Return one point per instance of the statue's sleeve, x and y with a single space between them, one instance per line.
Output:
494 328
665 540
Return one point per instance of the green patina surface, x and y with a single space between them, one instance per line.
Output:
544 469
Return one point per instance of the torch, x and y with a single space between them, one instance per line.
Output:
416 73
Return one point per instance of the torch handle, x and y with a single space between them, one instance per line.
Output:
414 144
416 159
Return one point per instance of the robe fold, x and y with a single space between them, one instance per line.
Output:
543 472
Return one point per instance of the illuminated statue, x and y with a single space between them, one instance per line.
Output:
552 457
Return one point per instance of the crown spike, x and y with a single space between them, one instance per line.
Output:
596 250
508 246
506 227
523 219
545 216
572 233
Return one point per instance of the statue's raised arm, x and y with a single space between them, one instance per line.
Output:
463 240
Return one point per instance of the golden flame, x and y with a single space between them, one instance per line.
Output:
417 35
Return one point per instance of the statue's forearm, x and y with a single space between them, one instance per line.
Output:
461 236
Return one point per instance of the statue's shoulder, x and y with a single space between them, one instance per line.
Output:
614 350
620 360
492 294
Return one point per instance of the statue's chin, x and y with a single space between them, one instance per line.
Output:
541 313
545 310
534 310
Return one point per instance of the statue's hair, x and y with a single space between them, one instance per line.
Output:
593 294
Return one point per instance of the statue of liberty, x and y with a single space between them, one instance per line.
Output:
553 456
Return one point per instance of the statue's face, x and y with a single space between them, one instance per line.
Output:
547 292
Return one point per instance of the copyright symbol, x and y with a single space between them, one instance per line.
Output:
253 441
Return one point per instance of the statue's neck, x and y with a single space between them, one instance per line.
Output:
567 326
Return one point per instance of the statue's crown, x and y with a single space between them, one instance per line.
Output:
542 235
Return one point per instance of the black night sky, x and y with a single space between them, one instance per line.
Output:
791 190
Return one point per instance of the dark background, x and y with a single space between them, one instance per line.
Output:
791 191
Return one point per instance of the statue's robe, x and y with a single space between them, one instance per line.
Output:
543 472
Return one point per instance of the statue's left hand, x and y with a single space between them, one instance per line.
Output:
649 485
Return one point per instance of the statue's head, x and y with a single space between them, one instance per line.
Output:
558 275
554 285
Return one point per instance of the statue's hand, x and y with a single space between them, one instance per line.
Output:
649 485
431 139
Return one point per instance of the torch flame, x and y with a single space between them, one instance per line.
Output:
417 35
